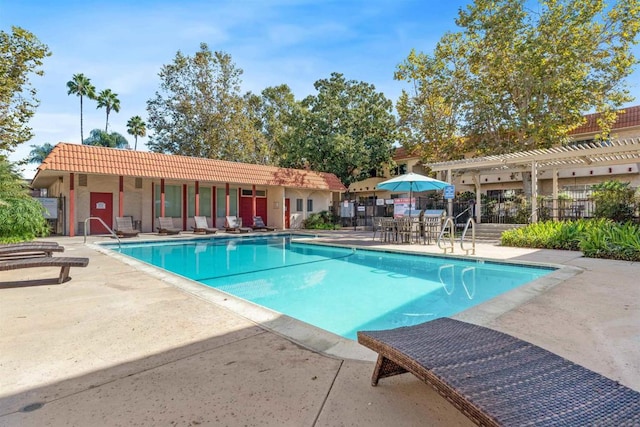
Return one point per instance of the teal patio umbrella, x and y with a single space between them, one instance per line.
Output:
412 182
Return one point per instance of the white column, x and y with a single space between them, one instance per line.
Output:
534 191
555 194
450 204
476 181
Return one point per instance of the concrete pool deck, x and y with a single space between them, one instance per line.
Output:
123 344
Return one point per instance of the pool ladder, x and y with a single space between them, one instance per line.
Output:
449 288
446 239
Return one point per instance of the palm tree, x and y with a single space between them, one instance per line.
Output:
98 137
109 101
39 153
81 86
136 127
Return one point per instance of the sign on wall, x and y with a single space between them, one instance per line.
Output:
51 206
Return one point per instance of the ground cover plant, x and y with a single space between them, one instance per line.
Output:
596 238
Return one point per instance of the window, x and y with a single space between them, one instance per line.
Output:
221 202
205 201
172 201
249 193
400 169
298 205
309 205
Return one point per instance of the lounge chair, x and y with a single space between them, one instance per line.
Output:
234 225
124 227
166 226
258 224
65 264
202 226
496 379
29 250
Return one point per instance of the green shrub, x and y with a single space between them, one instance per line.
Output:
319 221
21 218
613 241
613 200
596 238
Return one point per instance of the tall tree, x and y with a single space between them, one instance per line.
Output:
527 77
21 55
100 138
110 102
278 109
429 113
81 86
136 127
39 153
199 110
347 129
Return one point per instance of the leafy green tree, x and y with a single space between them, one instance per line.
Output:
199 110
614 200
39 153
278 110
110 102
525 77
347 129
21 55
21 216
429 114
80 85
136 127
100 138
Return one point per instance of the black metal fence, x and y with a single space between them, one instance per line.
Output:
494 209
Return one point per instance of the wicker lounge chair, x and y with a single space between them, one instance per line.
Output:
258 224
65 264
166 226
233 224
496 379
202 226
124 227
29 250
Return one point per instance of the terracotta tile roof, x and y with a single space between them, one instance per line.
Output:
401 153
110 161
630 117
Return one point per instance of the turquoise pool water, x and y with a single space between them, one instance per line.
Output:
337 289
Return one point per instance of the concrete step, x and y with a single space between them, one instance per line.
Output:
493 232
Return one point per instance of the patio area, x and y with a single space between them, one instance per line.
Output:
124 344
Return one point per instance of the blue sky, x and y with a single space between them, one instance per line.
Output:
121 45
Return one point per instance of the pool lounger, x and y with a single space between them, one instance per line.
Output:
65 264
29 250
496 379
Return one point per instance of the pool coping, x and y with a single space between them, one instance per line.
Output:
325 342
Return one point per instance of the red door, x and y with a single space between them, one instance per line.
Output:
246 207
287 208
101 207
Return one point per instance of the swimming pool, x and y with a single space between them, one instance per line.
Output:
338 289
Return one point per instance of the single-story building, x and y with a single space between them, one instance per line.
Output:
99 182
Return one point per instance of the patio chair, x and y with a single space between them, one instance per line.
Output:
65 264
202 226
29 250
234 225
496 379
124 227
166 226
258 224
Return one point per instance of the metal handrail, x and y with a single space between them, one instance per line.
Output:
452 228
472 223
535 212
105 226
461 213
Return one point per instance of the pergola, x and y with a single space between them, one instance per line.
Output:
603 153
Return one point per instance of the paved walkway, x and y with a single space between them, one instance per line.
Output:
121 344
